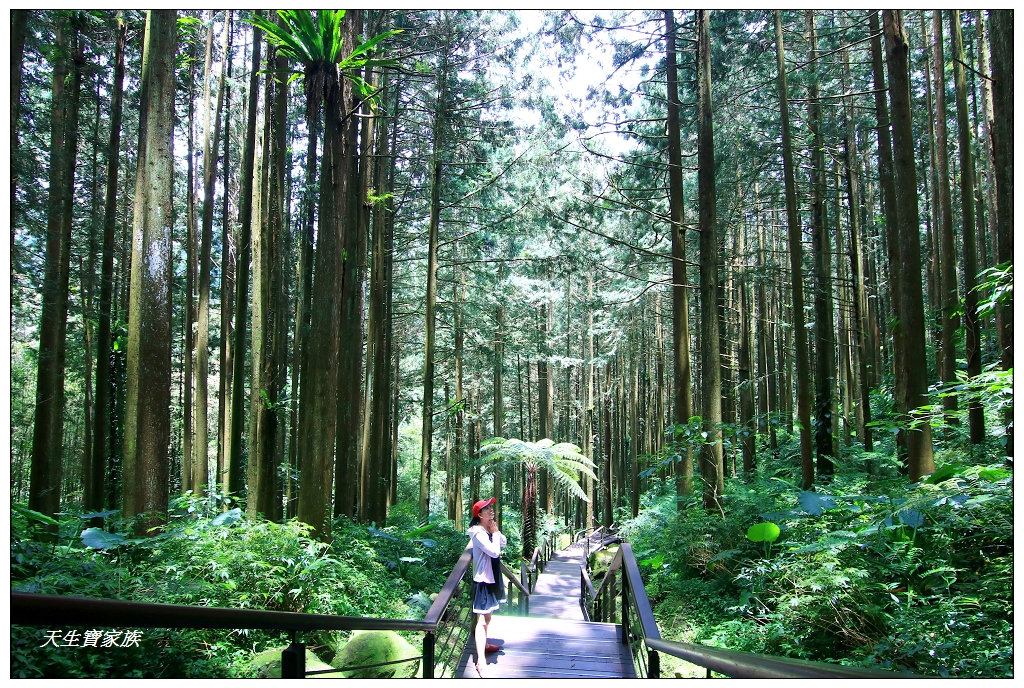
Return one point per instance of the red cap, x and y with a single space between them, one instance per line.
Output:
481 504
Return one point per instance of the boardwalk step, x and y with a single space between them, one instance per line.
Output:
553 648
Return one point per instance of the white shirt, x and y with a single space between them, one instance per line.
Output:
484 549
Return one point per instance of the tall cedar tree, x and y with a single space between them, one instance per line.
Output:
919 440
803 393
711 385
48 432
148 402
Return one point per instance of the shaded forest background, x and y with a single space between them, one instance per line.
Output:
310 279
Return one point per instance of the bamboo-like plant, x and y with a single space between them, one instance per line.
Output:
563 461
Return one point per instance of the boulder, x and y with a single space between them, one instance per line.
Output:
374 647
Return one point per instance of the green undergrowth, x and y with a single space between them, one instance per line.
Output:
865 570
209 557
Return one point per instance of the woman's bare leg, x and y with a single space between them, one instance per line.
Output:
482 620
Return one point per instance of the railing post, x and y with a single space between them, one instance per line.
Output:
653 664
293 661
625 607
428 654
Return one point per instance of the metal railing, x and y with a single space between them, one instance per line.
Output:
542 553
622 599
445 627
738 664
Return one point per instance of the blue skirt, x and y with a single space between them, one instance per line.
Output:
484 601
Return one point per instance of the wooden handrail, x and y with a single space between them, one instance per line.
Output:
636 587
612 568
515 581
31 609
42 610
444 596
739 664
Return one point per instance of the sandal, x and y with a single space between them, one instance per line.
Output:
491 648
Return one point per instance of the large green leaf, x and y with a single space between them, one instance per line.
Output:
763 532
100 539
814 503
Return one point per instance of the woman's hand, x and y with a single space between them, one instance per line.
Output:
492 527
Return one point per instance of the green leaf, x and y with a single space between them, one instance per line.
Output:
944 473
814 503
227 518
763 532
33 515
95 538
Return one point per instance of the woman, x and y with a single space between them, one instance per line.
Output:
488 586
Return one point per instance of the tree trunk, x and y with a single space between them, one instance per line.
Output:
711 386
795 262
263 457
200 460
148 402
48 432
947 251
976 414
378 455
1002 143
235 475
318 406
499 397
189 318
431 298
860 323
745 361
227 289
919 441
19 25
94 485
824 330
350 356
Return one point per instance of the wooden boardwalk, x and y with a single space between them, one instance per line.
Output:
553 641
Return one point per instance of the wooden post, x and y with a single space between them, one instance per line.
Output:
428 654
293 661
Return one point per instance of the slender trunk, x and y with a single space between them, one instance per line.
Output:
919 440
499 397
235 475
588 428
947 251
860 323
263 457
190 268
19 25
48 432
148 402
985 144
304 300
824 330
795 262
711 385
94 485
1002 144
745 362
227 288
431 298
200 460
350 355
976 413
